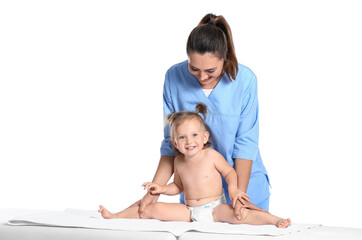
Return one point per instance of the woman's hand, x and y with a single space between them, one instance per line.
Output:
237 195
148 199
153 188
249 205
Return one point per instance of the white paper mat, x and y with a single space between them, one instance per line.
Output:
92 219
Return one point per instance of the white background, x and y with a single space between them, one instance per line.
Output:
81 100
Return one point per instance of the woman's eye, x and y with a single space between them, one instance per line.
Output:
210 71
194 69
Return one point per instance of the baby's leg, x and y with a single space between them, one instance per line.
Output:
160 211
131 212
168 212
225 213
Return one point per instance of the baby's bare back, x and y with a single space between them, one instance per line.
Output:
201 181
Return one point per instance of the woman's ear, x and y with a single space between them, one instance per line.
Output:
206 137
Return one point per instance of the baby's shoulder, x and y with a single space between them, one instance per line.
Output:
212 153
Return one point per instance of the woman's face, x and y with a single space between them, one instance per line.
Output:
207 68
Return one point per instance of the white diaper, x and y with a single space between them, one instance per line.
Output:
204 213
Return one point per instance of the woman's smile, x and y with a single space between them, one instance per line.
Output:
207 68
206 79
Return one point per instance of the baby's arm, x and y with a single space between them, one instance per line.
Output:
231 178
169 189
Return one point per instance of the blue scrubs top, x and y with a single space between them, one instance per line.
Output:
232 118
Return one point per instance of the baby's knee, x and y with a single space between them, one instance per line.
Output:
152 210
244 215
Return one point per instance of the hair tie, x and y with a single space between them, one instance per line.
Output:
211 21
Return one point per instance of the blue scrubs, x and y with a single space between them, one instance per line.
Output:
232 119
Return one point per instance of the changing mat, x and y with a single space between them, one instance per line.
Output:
92 219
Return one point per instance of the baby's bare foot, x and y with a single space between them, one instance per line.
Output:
283 223
105 213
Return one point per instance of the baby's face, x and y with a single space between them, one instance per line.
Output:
190 137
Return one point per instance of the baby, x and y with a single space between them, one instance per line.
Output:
197 172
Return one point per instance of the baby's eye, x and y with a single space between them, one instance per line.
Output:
194 135
181 137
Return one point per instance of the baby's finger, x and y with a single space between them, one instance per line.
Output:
147 185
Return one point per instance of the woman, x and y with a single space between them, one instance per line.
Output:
212 76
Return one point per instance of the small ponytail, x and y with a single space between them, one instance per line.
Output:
170 118
201 109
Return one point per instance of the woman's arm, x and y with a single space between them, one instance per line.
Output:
164 170
230 175
163 174
243 170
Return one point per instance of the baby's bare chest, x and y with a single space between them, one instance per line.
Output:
198 176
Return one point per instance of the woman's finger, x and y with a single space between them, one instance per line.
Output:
241 200
234 202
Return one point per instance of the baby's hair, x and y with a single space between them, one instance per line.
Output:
176 118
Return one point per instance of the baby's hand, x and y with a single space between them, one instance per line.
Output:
153 188
237 195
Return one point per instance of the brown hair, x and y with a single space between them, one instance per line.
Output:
176 118
213 35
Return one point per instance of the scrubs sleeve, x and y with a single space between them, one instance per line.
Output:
166 146
247 135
